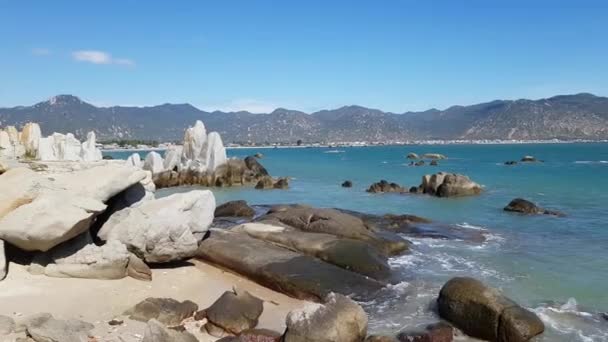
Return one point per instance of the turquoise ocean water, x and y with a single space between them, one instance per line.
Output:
557 267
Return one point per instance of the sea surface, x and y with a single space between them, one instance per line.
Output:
555 266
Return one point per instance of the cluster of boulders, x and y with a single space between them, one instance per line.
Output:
441 184
98 221
30 144
385 186
432 157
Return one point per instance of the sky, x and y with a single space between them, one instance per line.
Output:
306 55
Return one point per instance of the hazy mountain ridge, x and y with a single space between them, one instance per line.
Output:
580 116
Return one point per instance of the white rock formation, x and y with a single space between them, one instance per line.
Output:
202 152
164 229
134 160
2 261
154 163
30 138
194 140
89 152
215 152
173 157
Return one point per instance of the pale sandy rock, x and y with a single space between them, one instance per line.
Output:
30 138
157 332
89 151
173 157
48 220
164 229
194 139
7 325
5 141
134 160
54 330
215 151
13 134
19 186
3 263
154 163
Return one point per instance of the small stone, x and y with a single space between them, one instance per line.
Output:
116 321
347 184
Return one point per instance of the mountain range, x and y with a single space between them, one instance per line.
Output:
579 116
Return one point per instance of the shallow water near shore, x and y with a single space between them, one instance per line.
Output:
557 267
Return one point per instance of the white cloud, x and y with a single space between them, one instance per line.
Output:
41 52
99 57
250 105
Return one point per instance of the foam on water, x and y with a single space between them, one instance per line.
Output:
569 321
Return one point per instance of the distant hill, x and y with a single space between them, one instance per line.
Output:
580 116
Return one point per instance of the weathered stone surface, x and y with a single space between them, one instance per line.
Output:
439 332
282 270
164 229
155 331
412 155
134 160
234 209
66 147
338 319
7 325
381 338
89 151
173 158
168 311
334 222
154 163
3 262
268 182
138 269
31 320
483 312
352 255
54 330
449 185
384 186
254 165
30 138
523 206
235 312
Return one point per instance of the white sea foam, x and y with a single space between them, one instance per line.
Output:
335 151
567 319
591 162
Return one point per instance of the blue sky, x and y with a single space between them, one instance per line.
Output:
306 55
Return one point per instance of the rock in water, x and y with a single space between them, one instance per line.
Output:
215 154
482 312
449 185
3 263
194 139
166 310
154 163
338 319
528 159
412 155
157 332
434 156
347 184
30 138
439 332
234 209
384 186
255 166
234 312
165 229
523 206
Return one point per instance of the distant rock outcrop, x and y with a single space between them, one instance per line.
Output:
523 206
448 185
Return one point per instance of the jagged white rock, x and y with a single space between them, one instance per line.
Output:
30 138
66 147
154 163
134 160
89 152
173 156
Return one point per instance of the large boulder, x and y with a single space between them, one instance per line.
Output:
254 165
134 160
215 154
30 138
520 205
282 270
168 311
55 330
384 186
334 222
154 163
353 255
412 155
172 158
89 151
155 331
483 312
7 325
449 185
233 313
165 229
338 319
195 138
59 147
234 209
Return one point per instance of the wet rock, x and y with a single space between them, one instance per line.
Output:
260 335
528 159
381 338
281 269
258 155
347 184
419 163
54 330
412 155
155 331
235 312
482 312
7 325
265 183
254 165
138 269
449 185
385 186
604 315
439 332
433 156
352 255
334 222
281 183
414 190
523 206
166 310
433 163
234 209
511 162
338 319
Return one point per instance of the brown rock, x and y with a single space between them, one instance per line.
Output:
439 332
234 312
234 209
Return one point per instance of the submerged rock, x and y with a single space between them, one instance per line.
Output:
529 159
523 206
384 186
268 182
419 163
347 184
281 269
482 312
338 319
234 312
434 163
166 310
511 162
